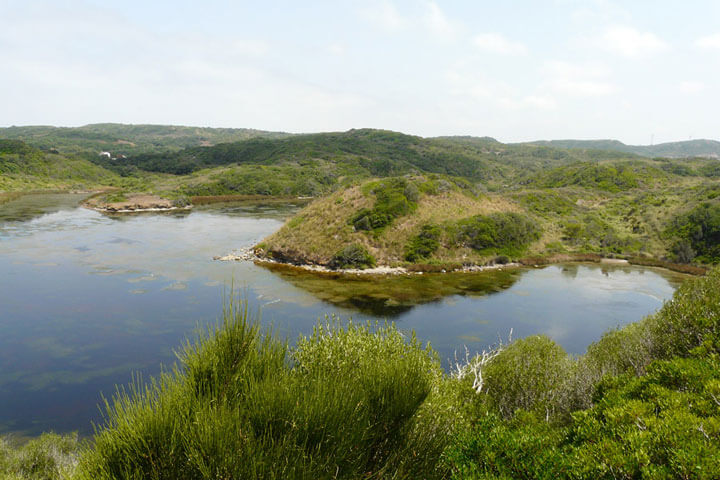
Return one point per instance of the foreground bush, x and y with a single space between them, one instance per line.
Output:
48 457
530 374
343 404
653 389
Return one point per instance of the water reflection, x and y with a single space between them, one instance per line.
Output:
393 295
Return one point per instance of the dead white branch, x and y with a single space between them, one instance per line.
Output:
474 366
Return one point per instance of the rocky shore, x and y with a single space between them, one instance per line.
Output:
248 255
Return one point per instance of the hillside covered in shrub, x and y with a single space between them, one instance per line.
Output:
23 168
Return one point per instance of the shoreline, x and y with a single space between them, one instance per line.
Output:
136 210
247 254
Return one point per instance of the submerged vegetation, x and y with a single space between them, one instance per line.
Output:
369 401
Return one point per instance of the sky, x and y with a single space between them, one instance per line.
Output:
639 71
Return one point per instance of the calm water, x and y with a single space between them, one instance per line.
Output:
87 299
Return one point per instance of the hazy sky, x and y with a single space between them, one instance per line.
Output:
514 70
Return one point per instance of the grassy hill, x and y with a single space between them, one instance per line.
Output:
689 148
127 139
25 168
439 220
320 163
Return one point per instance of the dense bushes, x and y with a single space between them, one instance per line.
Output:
394 197
612 178
424 244
698 234
531 374
655 411
273 180
594 234
505 230
352 256
48 457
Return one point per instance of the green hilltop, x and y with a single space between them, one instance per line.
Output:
688 148
583 197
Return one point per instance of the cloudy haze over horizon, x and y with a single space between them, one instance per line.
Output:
636 71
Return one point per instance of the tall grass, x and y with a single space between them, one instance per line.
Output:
347 402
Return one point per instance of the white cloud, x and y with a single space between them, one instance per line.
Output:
544 102
436 21
490 92
691 86
630 42
496 43
336 49
385 15
709 41
584 80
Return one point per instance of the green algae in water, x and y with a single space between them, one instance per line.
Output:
392 295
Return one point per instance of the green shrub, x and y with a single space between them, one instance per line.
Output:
424 244
697 233
611 178
47 457
530 374
352 256
691 321
506 230
394 197
115 197
525 447
342 404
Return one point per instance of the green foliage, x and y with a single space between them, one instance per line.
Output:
121 139
611 178
655 410
690 323
394 197
530 374
343 404
594 234
697 232
352 256
115 197
524 447
276 180
665 424
504 230
26 168
424 244
15 146
546 202
47 457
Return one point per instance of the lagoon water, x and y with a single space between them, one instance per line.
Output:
87 300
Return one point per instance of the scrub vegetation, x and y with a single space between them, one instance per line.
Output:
571 197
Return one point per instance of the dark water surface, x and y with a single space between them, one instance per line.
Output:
87 299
